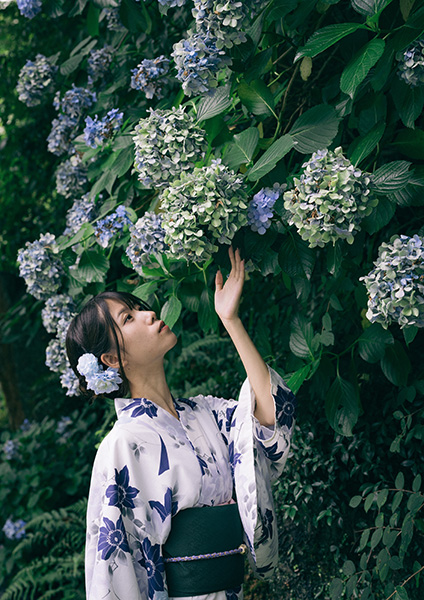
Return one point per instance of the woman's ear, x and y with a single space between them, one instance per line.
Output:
110 359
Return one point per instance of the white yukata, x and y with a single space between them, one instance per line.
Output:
152 465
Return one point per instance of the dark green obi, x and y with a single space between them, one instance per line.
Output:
204 551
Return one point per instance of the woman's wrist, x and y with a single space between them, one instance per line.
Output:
232 323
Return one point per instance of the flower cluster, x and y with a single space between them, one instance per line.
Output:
40 267
167 142
57 307
29 8
14 530
106 228
97 131
99 62
59 140
148 76
147 239
411 63
203 207
10 448
56 358
69 381
330 199
82 211
396 284
71 177
164 5
74 102
260 211
198 60
35 79
223 19
98 380
112 19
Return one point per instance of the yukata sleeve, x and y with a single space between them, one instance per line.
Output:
258 457
126 524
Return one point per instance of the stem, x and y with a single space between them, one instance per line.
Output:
406 581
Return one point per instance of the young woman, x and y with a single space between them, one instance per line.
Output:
180 488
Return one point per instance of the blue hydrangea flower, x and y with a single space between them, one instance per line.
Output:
106 228
148 76
97 132
99 62
59 140
198 60
56 358
147 239
29 8
396 284
260 209
152 561
71 178
40 267
83 210
26 425
98 380
112 537
36 78
142 406
14 530
70 382
411 64
113 21
60 306
121 493
10 449
75 101
164 5
225 20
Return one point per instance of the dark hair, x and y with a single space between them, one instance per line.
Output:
94 330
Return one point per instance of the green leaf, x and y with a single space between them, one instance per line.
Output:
301 337
376 537
271 157
359 67
416 484
256 97
380 216
362 146
409 333
215 104
315 129
413 192
145 290
389 537
280 8
415 502
242 148
395 364
84 231
171 311
400 481
342 406
401 593
382 496
123 162
369 7
106 181
355 501
410 142
135 17
70 65
336 589
298 377
92 267
409 101
93 20
365 536
84 47
208 319
392 176
296 258
372 343
326 37
348 568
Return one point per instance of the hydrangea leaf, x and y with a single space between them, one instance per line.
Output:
342 406
362 147
413 192
123 161
215 104
208 319
301 338
391 176
315 129
171 311
409 101
296 258
71 64
372 343
380 216
84 47
325 38
369 7
242 148
271 157
395 364
281 8
257 97
297 378
134 16
359 67
92 267
410 142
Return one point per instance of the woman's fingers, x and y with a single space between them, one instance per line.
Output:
219 281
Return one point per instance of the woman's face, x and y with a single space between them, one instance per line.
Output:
146 338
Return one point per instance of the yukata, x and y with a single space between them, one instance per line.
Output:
152 465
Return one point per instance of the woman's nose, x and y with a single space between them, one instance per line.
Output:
151 317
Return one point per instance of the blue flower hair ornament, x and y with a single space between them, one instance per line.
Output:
99 380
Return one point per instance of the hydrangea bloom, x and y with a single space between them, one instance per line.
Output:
10 448
99 380
57 307
70 382
99 62
223 19
59 140
203 207
35 79
74 102
167 142
148 76
198 59
164 5
411 63
330 199
82 211
396 284
40 267
106 228
14 530
113 19
71 177
29 8
56 358
97 131
260 211
147 238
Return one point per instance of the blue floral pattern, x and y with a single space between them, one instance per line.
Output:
152 561
112 537
121 494
142 406
286 405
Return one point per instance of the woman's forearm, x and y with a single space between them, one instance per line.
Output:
256 370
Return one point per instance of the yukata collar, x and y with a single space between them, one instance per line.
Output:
137 407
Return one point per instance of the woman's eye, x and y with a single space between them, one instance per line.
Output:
126 318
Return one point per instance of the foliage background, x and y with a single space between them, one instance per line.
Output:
350 503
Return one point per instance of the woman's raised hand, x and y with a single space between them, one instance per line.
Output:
228 294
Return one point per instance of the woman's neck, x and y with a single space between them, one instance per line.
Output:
153 386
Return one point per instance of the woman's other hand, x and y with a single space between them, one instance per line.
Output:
228 294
